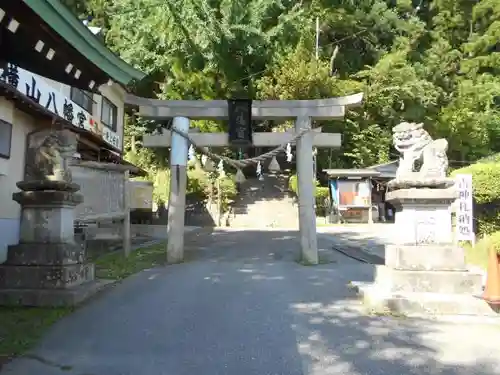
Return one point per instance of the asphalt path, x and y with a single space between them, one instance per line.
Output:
242 305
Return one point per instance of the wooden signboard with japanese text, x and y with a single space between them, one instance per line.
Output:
240 122
464 215
39 90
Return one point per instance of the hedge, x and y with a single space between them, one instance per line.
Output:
486 193
321 194
202 184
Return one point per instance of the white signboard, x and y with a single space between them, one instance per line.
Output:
464 215
38 90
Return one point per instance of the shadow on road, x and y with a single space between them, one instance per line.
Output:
242 305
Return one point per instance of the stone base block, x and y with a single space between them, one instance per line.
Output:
425 257
379 300
458 282
46 254
45 277
51 297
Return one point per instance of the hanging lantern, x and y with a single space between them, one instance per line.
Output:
259 171
289 155
191 153
220 169
274 165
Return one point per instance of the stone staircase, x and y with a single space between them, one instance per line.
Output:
265 204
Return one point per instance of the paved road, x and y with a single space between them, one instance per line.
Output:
242 306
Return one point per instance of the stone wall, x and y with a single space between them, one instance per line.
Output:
101 185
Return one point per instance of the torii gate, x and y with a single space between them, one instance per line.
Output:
302 111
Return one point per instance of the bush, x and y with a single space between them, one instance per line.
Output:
486 192
478 254
321 194
228 191
322 199
494 241
198 183
202 184
161 185
292 183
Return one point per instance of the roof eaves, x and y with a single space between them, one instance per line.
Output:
70 28
383 164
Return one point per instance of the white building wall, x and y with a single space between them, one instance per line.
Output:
12 171
114 93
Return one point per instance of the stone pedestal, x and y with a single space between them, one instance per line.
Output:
47 267
424 271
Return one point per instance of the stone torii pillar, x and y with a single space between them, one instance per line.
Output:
302 111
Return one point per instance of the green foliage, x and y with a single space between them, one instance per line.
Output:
198 182
437 63
228 191
116 266
321 193
478 254
161 185
486 181
22 328
494 241
487 220
293 183
204 185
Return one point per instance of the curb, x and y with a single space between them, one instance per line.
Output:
355 252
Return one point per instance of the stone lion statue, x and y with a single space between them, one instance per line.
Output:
47 155
422 158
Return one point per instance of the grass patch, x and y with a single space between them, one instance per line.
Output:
116 266
477 255
22 327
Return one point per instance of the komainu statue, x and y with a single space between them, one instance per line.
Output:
48 153
423 160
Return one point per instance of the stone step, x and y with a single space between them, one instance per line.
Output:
52 297
460 282
45 277
425 257
43 254
424 303
265 204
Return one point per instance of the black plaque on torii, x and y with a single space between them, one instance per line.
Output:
240 122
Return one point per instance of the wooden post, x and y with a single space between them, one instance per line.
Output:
219 203
370 211
305 182
339 218
126 209
177 199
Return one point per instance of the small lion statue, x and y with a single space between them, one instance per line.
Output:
48 153
418 148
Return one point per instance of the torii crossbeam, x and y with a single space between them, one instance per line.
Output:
302 111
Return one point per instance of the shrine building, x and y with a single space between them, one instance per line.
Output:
55 73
